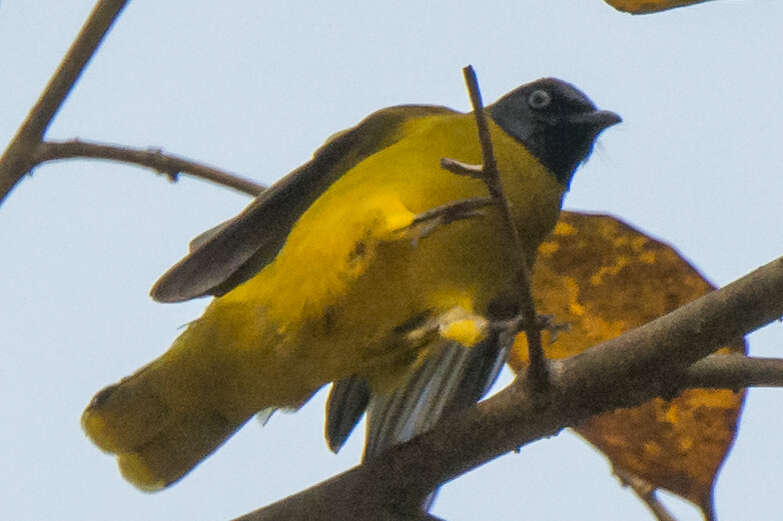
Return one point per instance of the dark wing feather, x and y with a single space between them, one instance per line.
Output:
232 252
451 378
348 399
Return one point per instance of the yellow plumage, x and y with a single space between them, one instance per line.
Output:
350 293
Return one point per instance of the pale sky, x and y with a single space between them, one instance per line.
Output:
255 87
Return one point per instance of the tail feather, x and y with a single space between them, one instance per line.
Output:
175 450
125 415
167 417
163 420
155 444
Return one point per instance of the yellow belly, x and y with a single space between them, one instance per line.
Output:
347 276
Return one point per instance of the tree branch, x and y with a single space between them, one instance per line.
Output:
169 165
488 172
17 158
645 491
27 149
626 371
735 371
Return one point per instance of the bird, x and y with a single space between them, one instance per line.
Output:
329 275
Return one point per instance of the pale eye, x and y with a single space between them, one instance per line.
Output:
539 99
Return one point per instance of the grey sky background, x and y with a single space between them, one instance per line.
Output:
255 87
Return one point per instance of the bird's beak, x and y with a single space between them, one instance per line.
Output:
595 121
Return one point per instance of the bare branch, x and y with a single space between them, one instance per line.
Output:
645 491
17 158
491 177
169 165
735 371
626 371
426 222
27 150
460 168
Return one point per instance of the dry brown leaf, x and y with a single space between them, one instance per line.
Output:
649 6
602 277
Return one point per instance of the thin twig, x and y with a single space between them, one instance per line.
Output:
17 158
169 165
426 222
454 210
488 172
645 491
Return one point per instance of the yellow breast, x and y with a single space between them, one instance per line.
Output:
350 274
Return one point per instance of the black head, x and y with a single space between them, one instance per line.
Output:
555 121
